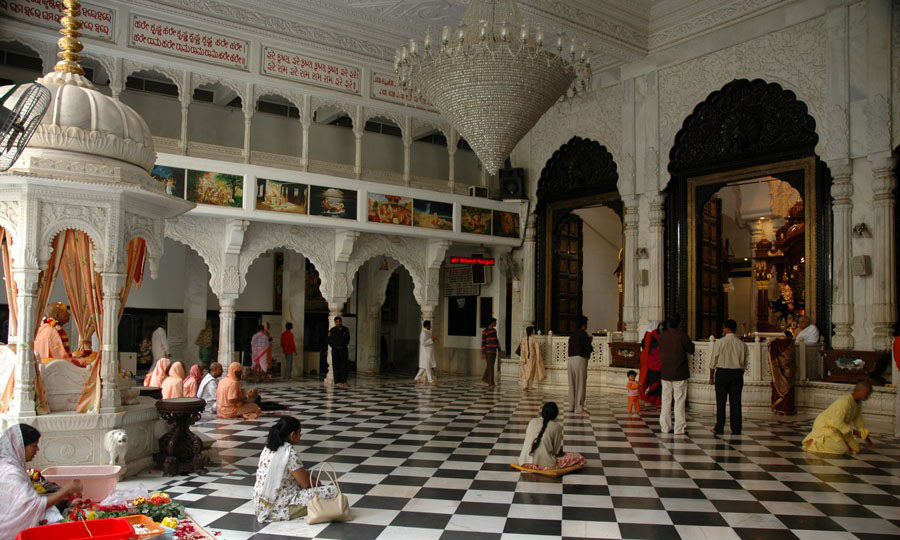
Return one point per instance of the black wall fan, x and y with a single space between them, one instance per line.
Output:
21 110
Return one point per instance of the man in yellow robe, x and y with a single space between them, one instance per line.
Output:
839 428
51 341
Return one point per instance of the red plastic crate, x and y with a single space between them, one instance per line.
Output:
101 529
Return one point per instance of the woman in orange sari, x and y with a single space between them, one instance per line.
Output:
192 383
231 401
158 374
650 389
173 386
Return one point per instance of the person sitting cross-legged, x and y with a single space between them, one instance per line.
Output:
542 449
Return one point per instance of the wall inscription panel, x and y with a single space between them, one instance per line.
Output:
308 70
96 22
387 88
186 42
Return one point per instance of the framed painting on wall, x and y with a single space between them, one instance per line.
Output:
391 209
332 202
280 196
170 177
218 189
506 224
475 220
433 215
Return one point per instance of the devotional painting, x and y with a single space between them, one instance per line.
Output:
170 177
332 202
214 188
279 196
506 224
475 220
433 215
391 209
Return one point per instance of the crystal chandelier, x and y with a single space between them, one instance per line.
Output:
492 77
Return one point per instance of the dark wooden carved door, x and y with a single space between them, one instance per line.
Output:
711 295
567 274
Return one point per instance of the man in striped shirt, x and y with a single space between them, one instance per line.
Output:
490 346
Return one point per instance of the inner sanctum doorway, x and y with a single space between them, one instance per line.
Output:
748 215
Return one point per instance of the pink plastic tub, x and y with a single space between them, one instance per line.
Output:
98 480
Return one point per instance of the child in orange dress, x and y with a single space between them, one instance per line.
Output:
633 386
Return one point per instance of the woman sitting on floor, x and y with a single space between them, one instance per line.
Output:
173 386
158 373
192 383
283 487
24 507
231 401
542 449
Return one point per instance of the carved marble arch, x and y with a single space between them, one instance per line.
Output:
348 109
315 244
39 48
370 114
175 76
97 249
295 100
241 90
204 237
408 252
421 127
154 246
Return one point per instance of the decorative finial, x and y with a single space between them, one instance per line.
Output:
69 46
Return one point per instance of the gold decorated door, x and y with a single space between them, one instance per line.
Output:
712 296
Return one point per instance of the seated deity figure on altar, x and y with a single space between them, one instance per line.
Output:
52 342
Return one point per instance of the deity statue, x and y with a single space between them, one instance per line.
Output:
51 341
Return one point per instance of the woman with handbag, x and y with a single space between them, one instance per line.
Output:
283 487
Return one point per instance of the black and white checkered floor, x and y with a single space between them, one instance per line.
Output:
424 463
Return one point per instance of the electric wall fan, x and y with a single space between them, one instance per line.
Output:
21 110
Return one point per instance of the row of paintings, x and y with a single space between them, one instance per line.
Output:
222 189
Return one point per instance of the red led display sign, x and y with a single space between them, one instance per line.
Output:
472 261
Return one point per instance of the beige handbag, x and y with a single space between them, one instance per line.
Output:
321 510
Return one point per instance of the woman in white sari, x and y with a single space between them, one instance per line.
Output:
283 487
532 364
23 506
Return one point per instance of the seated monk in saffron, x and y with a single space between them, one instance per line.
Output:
231 401
51 341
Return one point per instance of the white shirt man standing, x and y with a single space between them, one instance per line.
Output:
160 342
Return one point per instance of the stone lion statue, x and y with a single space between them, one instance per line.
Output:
116 443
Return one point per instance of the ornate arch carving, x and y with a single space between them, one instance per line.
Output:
744 121
204 236
151 230
130 67
318 103
579 168
409 252
315 244
295 99
198 80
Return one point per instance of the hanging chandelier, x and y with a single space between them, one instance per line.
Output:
492 77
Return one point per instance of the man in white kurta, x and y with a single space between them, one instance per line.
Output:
426 353
808 333
208 387
160 343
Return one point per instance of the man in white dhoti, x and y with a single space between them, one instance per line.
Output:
160 342
426 354
807 332
208 386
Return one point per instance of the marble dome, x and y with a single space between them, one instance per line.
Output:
82 119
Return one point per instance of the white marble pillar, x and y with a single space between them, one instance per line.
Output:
293 303
842 278
529 260
357 163
248 117
407 159
630 314
884 313
656 286
196 278
226 329
23 399
110 398
334 311
185 106
304 144
451 156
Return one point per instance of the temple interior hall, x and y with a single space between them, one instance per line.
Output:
450 269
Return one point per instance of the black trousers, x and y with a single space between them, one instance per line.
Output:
729 385
339 361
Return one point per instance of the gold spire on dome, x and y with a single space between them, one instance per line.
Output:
69 46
